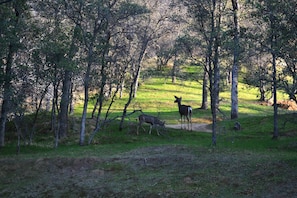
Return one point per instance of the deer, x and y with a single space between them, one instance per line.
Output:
184 111
152 120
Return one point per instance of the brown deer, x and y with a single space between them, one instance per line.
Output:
152 120
184 111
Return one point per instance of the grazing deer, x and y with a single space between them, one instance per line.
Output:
184 111
152 120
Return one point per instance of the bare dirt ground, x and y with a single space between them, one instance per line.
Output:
195 127
156 171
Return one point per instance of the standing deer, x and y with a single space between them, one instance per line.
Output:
152 120
184 111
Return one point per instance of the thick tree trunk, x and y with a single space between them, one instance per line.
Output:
66 97
215 88
64 105
6 95
236 48
7 87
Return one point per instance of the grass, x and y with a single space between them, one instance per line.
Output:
245 163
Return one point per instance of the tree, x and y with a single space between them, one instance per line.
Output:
207 16
10 37
273 14
236 49
288 47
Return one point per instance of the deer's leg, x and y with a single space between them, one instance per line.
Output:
190 116
137 129
158 132
190 120
181 122
150 129
140 124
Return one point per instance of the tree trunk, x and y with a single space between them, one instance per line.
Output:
215 91
137 81
139 61
86 99
275 115
273 44
204 104
215 88
64 105
6 95
7 87
173 72
234 89
262 91
67 90
127 105
71 98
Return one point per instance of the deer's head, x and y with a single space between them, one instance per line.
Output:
177 99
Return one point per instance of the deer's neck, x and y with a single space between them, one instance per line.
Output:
179 106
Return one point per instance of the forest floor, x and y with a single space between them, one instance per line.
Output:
154 171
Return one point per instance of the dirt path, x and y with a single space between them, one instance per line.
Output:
195 127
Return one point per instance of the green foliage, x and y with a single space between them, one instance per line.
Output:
131 9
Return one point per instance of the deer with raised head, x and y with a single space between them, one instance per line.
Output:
152 120
185 111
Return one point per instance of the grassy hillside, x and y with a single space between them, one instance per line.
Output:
179 163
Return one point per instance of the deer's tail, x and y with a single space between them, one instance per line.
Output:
190 112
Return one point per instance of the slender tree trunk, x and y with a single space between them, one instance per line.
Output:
71 98
234 89
173 72
204 104
38 108
86 98
215 92
273 44
126 106
95 108
137 81
275 107
139 61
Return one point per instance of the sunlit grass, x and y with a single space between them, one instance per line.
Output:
156 96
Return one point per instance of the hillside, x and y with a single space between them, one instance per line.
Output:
179 163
